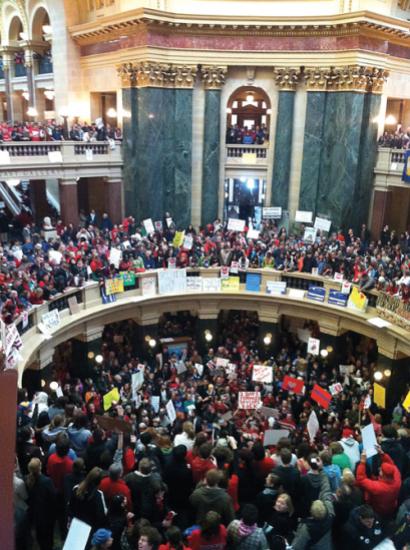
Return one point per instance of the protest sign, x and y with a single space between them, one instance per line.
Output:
406 403
78 533
312 426
111 397
346 286
303 216
272 212
227 416
178 238
55 256
51 320
172 415
338 277
379 395
369 440
181 367
336 388
231 284
221 362
137 380
171 280
309 236
317 293
199 369
211 284
321 396
111 424
268 412
337 298
115 257
293 384
114 286
188 242
128 278
194 284
357 300
155 402
234 268
313 346
248 400
296 293
271 437
275 287
346 369
253 282
169 222
236 225
172 263
262 374
73 305
148 226
322 224
252 234
148 286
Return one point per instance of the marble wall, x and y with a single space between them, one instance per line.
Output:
210 166
157 153
283 149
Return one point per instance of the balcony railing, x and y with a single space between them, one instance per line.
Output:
68 150
389 168
246 154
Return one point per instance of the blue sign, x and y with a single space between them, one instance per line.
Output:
337 298
406 168
316 293
253 282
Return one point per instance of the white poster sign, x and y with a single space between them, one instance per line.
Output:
309 235
148 226
303 216
313 346
369 440
194 284
148 286
262 374
51 319
272 212
188 242
236 225
55 256
77 535
172 415
322 224
252 234
271 437
115 257
211 284
276 287
55 156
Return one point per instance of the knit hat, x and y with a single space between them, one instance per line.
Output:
101 536
387 469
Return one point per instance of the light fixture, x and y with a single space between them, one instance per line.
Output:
378 375
267 339
268 111
26 95
250 184
111 113
53 386
32 111
387 373
391 120
152 342
228 111
324 353
208 336
23 36
249 97
126 114
50 94
99 359
47 29
43 383
151 116
90 355
329 349
63 112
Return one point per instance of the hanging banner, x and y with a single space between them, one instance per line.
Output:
148 286
114 286
337 298
51 320
357 300
231 284
272 212
194 284
276 287
406 168
211 284
317 293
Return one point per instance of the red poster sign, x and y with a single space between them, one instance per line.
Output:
293 384
321 396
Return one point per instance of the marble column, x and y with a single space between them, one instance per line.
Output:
69 201
213 78
7 66
158 141
295 177
28 62
198 110
286 80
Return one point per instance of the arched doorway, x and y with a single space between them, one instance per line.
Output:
42 32
248 116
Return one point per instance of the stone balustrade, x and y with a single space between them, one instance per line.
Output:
247 155
389 168
60 159
334 320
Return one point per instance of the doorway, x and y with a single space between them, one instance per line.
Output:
244 198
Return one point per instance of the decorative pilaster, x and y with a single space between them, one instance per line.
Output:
28 62
213 79
7 66
287 80
158 139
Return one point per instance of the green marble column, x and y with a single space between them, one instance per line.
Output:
312 147
212 144
283 149
157 153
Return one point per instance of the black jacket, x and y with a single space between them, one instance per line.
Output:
178 478
290 478
41 502
91 509
358 536
142 494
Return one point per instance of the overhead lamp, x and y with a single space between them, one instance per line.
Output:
329 349
111 113
47 29
324 353
152 342
387 373
32 111
391 120
53 386
267 339
268 111
228 110
26 95
208 336
50 94
90 355
99 359
378 375
249 97
250 184
43 383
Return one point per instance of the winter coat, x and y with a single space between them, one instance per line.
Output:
91 508
142 493
395 450
178 478
381 493
356 535
254 541
334 476
205 498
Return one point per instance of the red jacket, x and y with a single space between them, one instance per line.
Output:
199 468
111 488
381 494
57 468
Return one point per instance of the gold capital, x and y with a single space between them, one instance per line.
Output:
286 78
213 77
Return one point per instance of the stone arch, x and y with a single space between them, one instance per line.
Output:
258 108
39 17
14 21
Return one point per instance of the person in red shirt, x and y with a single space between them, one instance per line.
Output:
114 485
174 540
59 464
381 493
202 463
263 464
211 535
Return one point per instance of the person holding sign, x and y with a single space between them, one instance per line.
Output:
381 493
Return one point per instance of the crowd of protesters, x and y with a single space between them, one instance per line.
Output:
255 135
204 479
48 260
395 139
53 131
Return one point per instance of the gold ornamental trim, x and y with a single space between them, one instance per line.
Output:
156 75
350 78
287 78
213 77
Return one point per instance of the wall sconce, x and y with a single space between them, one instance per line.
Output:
391 120
378 375
47 29
228 111
26 95
90 355
267 339
387 373
111 113
50 94
324 353
32 111
208 336
99 359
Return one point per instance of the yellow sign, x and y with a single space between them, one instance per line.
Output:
379 395
231 284
406 403
111 397
178 239
113 286
248 158
357 299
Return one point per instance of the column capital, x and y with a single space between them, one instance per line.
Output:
286 78
157 75
213 77
316 78
357 78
